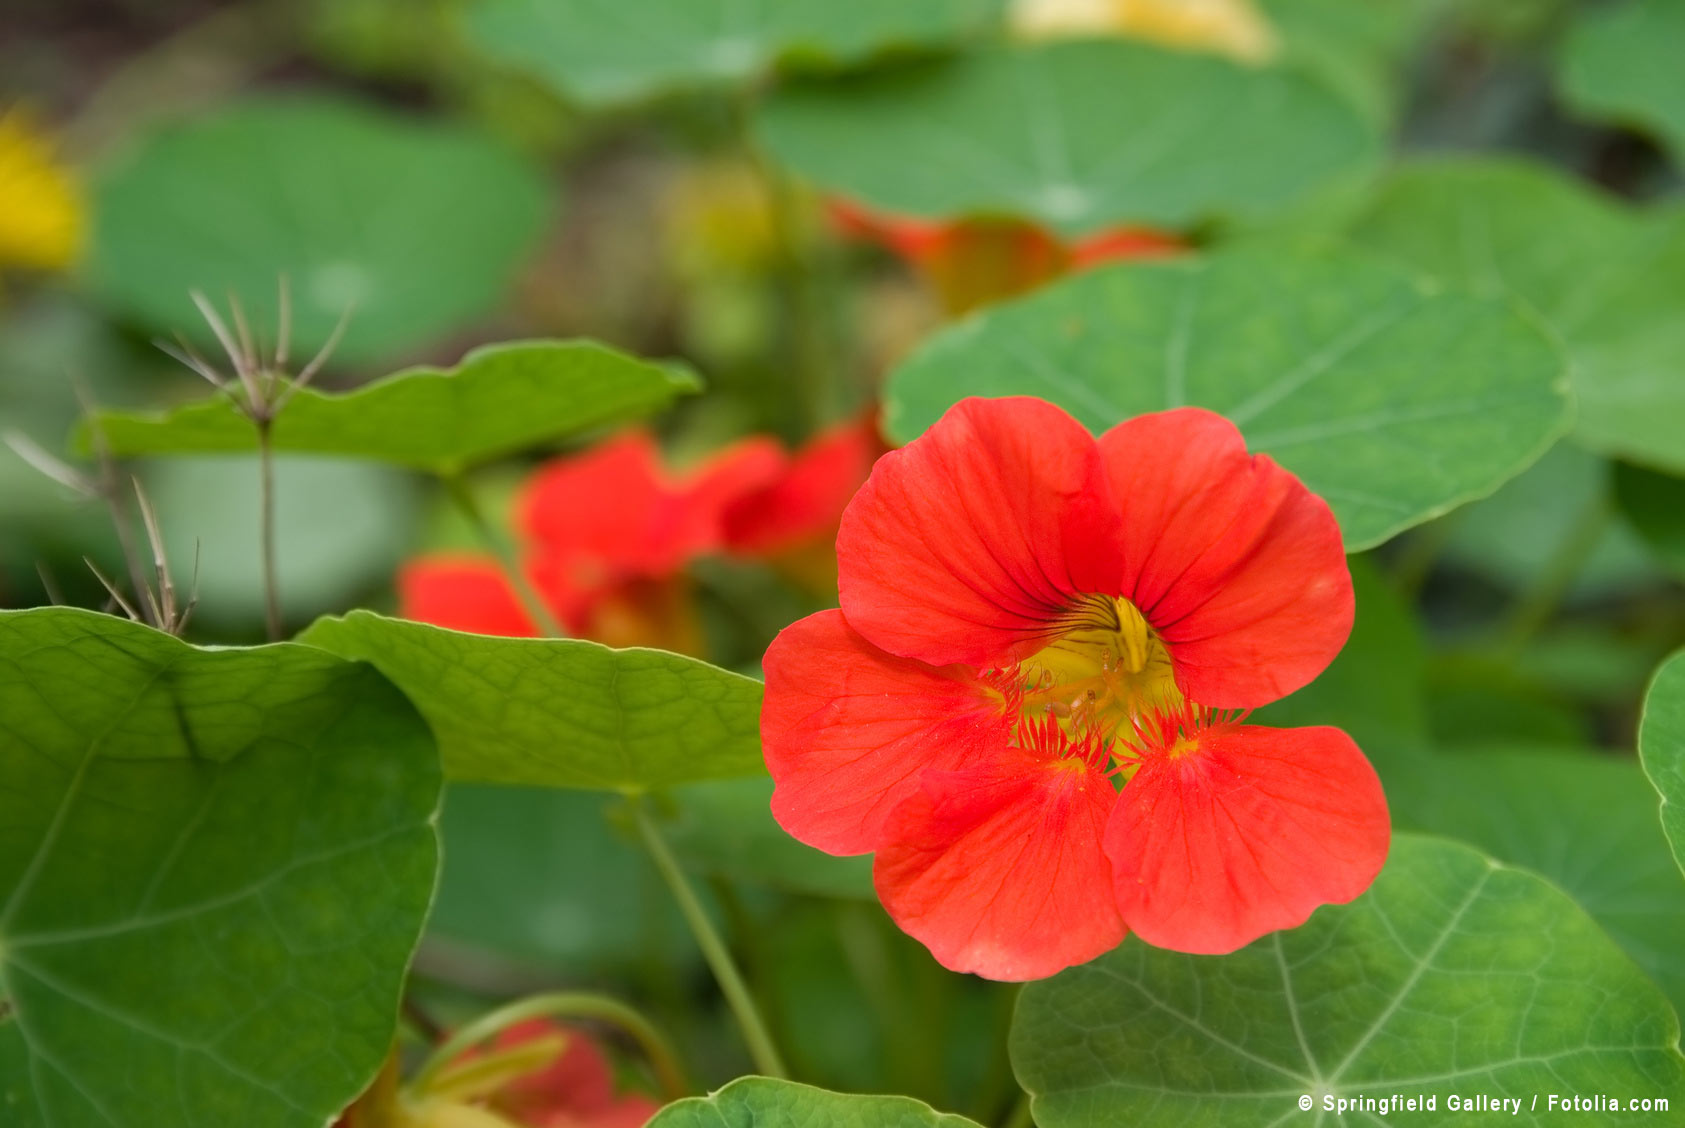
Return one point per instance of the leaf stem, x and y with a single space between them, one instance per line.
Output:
761 1049
266 533
501 547
668 1073
1020 1117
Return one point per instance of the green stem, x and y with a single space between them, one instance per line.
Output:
668 1073
500 547
761 1050
1020 1117
1541 600
266 534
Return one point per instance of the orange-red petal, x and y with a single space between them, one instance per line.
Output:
1246 832
847 729
1237 566
999 869
464 593
969 543
806 502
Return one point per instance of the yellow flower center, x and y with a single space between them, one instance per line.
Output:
1107 668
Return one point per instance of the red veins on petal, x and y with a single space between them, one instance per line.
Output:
1238 567
1029 613
998 868
1244 832
969 544
847 729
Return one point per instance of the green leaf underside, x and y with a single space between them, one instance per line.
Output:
1585 820
1661 748
561 712
1452 975
1621 62
725 829
501 399
419 228
1610 282
214 868
1079 136
1392 400
598 51
759 1102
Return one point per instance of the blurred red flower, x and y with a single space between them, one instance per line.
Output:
971 262
576 1090
606 535
1031 619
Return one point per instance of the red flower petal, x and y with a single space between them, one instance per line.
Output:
1125 244
998 869
464 593
1235 563
605 504
574 1091
847 729
966 545
807 501
1247 832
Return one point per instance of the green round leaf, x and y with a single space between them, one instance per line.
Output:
1079 136
419 228
1393 400
1621 62
501 399
1584 819
214 869
1452 976
750 1102
1661 747
599 52
1610 282
561 712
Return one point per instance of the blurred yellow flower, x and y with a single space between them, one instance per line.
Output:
1227 27
41 217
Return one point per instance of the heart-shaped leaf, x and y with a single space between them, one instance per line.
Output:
1610 281
1078 136
561 712
599 52
1621 63
750 1101
214 868
499 400
1395 401
1453 976
416 228
1661 747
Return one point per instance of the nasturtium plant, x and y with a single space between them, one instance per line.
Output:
1077 136
762 1100
1392 399
1620 63
1661 744
1653 504
500 399
1454 976
411 229
215 868
597 52
1608 280
561 712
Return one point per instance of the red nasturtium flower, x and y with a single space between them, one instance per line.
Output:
607 534
1031 702
971 262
